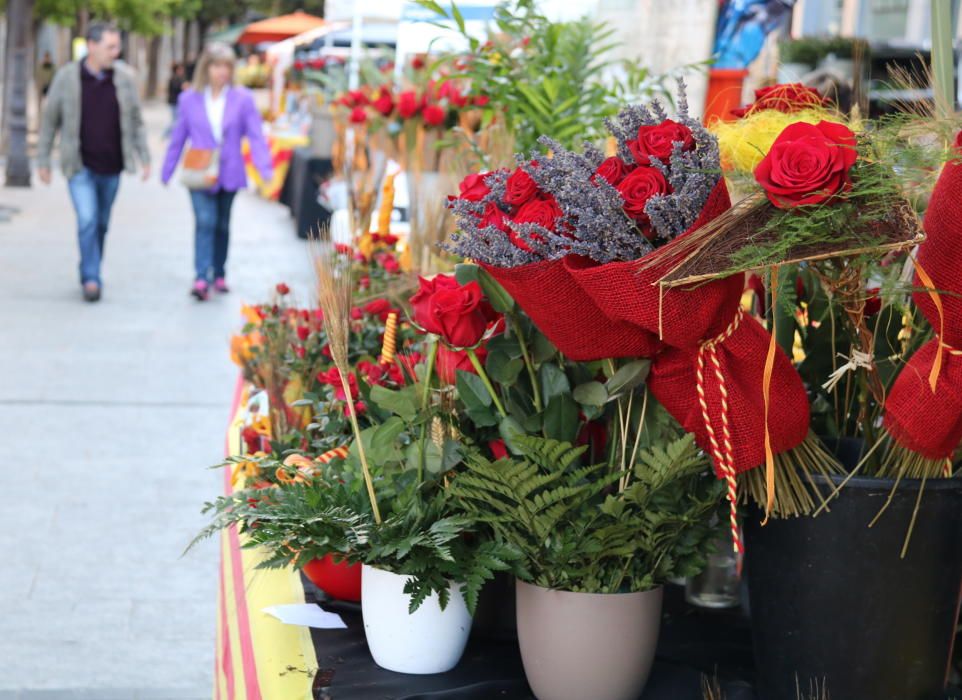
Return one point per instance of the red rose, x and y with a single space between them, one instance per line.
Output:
785 97
658 141
298 65
807 164
390 264
450 361
519 188
303 332
358 115
417 63
493 216
317 63
282 289
377 307
433 115
637 188
372 372
481 100
460 314
384 104
613 170
542 211
472 188
498 449
421 301
356 314
407 104
332 377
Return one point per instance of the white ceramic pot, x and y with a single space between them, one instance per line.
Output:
429 641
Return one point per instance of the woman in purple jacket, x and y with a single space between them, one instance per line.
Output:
216 114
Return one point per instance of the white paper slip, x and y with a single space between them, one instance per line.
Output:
306 615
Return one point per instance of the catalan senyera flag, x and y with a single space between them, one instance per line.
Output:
257 656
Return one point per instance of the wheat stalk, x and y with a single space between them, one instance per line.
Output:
334 292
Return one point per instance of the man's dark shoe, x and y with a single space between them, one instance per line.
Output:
91 291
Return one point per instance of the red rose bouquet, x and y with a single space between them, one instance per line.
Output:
578 270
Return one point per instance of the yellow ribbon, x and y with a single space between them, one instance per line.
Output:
937 300
766 397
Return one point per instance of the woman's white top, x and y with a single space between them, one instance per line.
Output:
215 111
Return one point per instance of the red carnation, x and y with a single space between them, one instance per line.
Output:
407 104
433 115
358 115
384 104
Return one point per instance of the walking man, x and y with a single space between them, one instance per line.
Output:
94 105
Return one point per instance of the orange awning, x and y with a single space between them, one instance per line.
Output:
279 28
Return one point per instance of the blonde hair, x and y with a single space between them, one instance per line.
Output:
215 52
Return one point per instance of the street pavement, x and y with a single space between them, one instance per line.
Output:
111 413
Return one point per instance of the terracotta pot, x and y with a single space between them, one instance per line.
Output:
336 578
429 640
724 93
587 645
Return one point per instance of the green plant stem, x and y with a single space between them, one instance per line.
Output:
425 395
428 374
535 387
368 481
476 363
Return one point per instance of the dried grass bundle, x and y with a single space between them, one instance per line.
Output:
335 288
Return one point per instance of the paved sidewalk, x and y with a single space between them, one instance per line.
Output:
111 413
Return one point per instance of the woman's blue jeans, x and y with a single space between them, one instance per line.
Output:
212 233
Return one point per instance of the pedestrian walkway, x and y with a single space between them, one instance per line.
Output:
111 413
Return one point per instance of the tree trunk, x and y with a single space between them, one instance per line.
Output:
153 67
20 22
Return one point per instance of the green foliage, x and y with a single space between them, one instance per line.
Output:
576 532
548 77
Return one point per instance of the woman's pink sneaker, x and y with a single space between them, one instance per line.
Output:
199 291
220 284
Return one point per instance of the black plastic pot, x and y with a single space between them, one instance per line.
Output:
833 603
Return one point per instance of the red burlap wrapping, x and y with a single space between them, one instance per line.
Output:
927 423
592 311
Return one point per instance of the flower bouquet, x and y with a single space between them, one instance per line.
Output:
572 237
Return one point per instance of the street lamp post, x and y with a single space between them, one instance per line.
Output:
19 18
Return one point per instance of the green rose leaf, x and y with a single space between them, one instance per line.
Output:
501 301
503 369
466 272
401 403
553 382
591 394
628 377
471 390
561 418
510 430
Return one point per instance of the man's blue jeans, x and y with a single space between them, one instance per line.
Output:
93 196
212 233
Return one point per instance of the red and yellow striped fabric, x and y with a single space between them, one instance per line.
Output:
257 656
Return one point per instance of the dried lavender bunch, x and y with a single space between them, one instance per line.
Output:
591 219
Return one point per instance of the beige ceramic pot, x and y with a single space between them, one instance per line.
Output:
587 645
